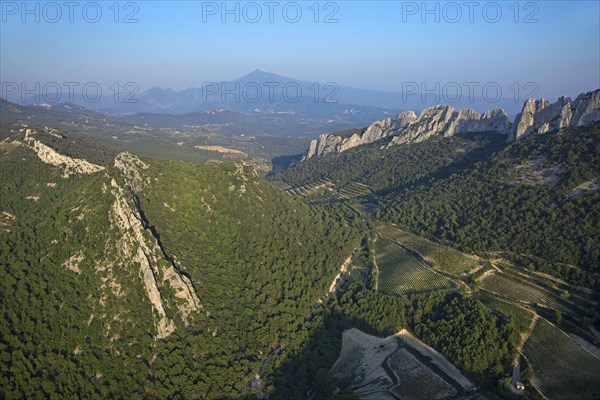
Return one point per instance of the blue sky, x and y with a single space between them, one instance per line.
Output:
376 45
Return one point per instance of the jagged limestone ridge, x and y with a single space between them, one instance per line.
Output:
537 116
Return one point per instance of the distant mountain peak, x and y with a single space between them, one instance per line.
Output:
261 75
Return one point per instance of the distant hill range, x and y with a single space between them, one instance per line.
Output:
223 121
536 116
261 92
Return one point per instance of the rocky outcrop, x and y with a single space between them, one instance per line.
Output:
50 156
408 128
537 116
137 245
378 130
445 121
586 108
540 116
132 248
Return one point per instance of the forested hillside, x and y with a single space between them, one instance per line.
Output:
535 200
385 169
149 279
141 278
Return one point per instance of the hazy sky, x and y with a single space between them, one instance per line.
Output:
376 45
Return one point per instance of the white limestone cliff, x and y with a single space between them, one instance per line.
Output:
537 116
48 155
378 130
540 116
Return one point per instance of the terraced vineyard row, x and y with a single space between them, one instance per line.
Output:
413 374
282 185
516 290
442 257
309 189
401 273
355 189
562 369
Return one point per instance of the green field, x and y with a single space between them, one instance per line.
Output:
516 290
401 273
521 316
444 258
561 368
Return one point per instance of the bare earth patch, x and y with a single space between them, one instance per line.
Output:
221 149
373 367
73 263
8 147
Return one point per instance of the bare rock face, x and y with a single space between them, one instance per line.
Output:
443 120
586 108
431 121
137 248
71 166
539 116
325 143
497 120
408 128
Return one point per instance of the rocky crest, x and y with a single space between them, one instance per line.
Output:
537 116
378 130
71 166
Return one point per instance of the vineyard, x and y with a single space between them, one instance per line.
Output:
400 273
562 369
520 315
413 374
444 258
282 185
326 188
516 290
318 187
354 189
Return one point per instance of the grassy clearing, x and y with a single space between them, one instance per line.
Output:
444 258
401 273
413 374
9 147
562 369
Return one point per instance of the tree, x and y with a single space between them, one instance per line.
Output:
558 317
